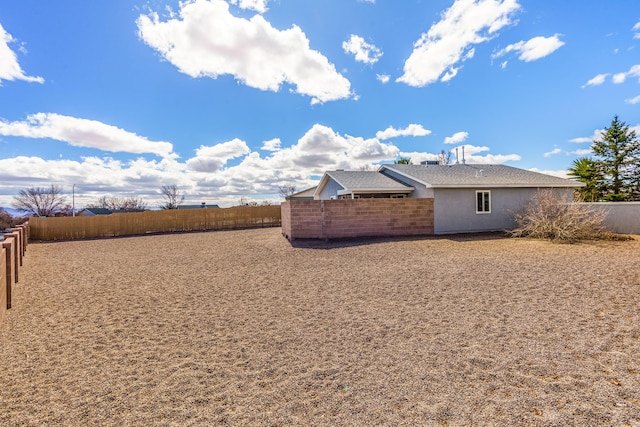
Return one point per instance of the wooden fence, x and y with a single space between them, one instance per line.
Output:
137 223
13 244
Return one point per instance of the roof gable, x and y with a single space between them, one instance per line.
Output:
363 181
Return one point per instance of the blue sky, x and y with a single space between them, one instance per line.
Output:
233 99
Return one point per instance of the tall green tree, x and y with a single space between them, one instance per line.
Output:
588 171
403 161
618 154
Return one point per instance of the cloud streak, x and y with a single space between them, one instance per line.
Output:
533 49
411 130
84 133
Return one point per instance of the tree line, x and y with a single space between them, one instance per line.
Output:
51 201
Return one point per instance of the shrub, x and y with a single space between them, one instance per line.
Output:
548 216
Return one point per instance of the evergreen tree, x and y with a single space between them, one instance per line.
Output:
618 155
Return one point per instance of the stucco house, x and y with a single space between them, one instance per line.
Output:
463 197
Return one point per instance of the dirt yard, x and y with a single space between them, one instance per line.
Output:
242 328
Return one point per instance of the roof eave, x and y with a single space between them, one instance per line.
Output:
375 190
496 185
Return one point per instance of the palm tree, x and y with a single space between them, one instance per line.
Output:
588 171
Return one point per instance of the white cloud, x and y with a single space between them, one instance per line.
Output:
411 130
84 133
581 140
634 71
251 50
582 152
271 145
633 101
597 80
553 152
533 49
588 139
9 67
471 156
362 51
212 158
456 138
438 53
259 6
207 176
636 28
556 173
367 1
597 134
383 78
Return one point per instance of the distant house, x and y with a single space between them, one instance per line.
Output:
94 212
202 205
463 197
302 195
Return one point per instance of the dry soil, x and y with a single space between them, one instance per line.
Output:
244 328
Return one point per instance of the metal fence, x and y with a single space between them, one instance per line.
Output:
137 223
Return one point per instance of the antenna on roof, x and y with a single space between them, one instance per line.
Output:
464 162
457 160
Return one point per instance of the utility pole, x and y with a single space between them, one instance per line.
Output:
73 200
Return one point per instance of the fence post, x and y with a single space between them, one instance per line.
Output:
17 252
5 286
9 277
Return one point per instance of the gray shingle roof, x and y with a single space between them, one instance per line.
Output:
477 175
366 180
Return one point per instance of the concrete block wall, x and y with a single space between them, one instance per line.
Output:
335 219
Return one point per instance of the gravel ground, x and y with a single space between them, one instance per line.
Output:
244 328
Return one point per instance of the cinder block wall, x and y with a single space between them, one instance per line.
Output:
335 219
302 219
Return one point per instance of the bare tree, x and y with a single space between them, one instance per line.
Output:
247 202
287 190
128 204
366 167
444 158
6 220
39 201
173 196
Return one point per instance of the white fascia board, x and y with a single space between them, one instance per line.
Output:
323 182
576 185
411 177
376 190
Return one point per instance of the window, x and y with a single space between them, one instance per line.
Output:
483 201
